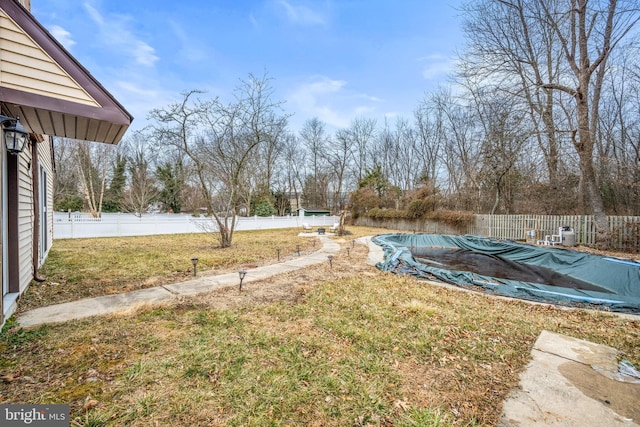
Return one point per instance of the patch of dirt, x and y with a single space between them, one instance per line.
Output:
293 285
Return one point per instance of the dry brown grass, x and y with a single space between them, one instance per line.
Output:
323 346
84 268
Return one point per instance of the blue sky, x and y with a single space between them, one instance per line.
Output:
331 59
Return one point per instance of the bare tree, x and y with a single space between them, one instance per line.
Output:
361 133
508 53
398 153
339 157
219 140
504 136
588 32
460 151
314 137
429 125
141 190
65 180
294 160
560 46
619 137
92 162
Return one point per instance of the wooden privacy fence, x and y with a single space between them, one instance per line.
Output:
516 227
624 229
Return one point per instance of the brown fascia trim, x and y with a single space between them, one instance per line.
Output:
63 58
34 100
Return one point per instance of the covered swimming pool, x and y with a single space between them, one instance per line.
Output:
545 274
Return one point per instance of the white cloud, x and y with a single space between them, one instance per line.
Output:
141 97
63 36
308 93
311 99
190 49
331 101
114 31
364 110
253 21
436 66
301 14
94 14
143 53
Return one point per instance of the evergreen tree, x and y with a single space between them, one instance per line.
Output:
172 181
114 197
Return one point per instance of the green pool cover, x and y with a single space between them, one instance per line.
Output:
617 280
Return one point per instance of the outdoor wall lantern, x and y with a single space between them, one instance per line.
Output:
241 273
15 137
194 261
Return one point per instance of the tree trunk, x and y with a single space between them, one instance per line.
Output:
594 199
584 148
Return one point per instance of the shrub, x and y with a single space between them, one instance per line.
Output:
454 218
364 200
417 209
378 213
264 208
69 203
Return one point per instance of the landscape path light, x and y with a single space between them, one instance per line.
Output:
278 251
194 261
330 260
348 249
241 273
298 249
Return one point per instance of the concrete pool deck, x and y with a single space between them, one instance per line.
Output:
571 382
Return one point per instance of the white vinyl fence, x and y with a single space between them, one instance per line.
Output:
81 225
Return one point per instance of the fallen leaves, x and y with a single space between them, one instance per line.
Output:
89 404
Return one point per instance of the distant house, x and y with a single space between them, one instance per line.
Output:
313 212
51 94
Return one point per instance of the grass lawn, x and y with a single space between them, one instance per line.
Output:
345 345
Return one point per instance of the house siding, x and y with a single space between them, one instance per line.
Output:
26 67
45 156
25 221
52 94
28 234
